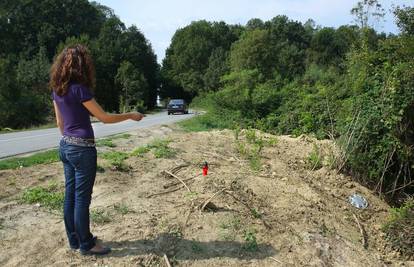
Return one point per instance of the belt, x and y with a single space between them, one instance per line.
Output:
79 141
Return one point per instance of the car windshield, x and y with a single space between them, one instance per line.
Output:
176 101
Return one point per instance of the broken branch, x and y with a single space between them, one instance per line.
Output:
362 231
165 192
208 200
179 179
166 260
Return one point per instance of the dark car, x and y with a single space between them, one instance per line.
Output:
177 105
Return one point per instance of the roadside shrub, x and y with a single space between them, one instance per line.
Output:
376 125
400 229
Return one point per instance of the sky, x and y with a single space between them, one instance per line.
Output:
159 19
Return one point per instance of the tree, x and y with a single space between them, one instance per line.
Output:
36 23
138 51
134 87
254 24
365 11
405 19
254 50
217 67
188 56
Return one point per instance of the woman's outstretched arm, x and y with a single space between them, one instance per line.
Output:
96 110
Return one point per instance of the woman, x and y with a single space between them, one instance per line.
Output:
72 79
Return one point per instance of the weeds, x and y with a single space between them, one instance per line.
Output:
140 151
100 216
105 142
314 160
122 208
229 229
251 154
400 229
50 197
161 149
109 140
256 214
116 159
175 230
191 195
35 159
249 237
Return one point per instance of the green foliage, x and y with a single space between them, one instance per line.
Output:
140 151
230 228
122 208
100 216
405 19
194 59
205 122
161 149
25 62
314 160
249 237
376 125
35 159
400 229
50 197
105 142
116 159
254 50
134 86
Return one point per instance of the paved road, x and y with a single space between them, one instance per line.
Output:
23 142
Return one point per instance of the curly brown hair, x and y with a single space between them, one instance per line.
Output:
73 65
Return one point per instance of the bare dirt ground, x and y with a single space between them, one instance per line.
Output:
283 215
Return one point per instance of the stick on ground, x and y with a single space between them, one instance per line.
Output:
167 261
179 179
208 200
362 231
177 183
165 192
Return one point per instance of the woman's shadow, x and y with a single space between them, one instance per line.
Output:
184 249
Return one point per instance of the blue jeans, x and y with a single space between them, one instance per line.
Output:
79 165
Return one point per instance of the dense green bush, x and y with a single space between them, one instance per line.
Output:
377 124
400 229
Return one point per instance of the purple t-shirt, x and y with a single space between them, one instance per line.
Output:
75 116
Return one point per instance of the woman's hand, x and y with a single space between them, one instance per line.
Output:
136 116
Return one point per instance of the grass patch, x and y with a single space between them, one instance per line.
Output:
100 216
251 153
122 208
399 229
116 159
105 142
39 127
256 214
205 122
122 136
140 151
249 237
229 228
161 149
314 160
50 197
35 159
109 140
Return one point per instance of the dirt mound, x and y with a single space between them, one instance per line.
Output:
282 214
